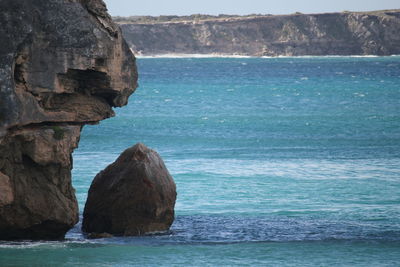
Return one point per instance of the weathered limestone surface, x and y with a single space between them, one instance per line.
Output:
63 64
134 195
346 33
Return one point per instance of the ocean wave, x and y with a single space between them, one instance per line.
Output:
193 56
295 169
229 229
216 55
31 244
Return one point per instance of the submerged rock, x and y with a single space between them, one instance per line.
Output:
134 195
63 64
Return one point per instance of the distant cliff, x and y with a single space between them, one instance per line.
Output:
347 33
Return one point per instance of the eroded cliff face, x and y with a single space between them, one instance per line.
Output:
348 33
63 64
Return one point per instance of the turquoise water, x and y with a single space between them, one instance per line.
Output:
277 161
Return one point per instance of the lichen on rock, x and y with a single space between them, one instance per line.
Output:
63 64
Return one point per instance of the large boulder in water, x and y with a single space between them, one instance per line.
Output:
134 195
63 64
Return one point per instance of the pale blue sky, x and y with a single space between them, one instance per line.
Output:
242 7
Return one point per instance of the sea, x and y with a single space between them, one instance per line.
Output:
291 161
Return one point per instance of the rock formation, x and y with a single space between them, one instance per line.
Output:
347 33
63 64
133 196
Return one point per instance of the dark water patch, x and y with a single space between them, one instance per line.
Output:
221 229
226 229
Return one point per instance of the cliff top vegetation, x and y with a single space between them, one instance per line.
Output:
204 17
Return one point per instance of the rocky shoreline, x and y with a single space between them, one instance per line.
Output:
63 64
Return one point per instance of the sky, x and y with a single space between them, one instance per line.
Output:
242 7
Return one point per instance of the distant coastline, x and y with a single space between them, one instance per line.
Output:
244 56
343 34
223 17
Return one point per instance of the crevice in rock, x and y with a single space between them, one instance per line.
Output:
73 83
21 70
49 124
88 82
